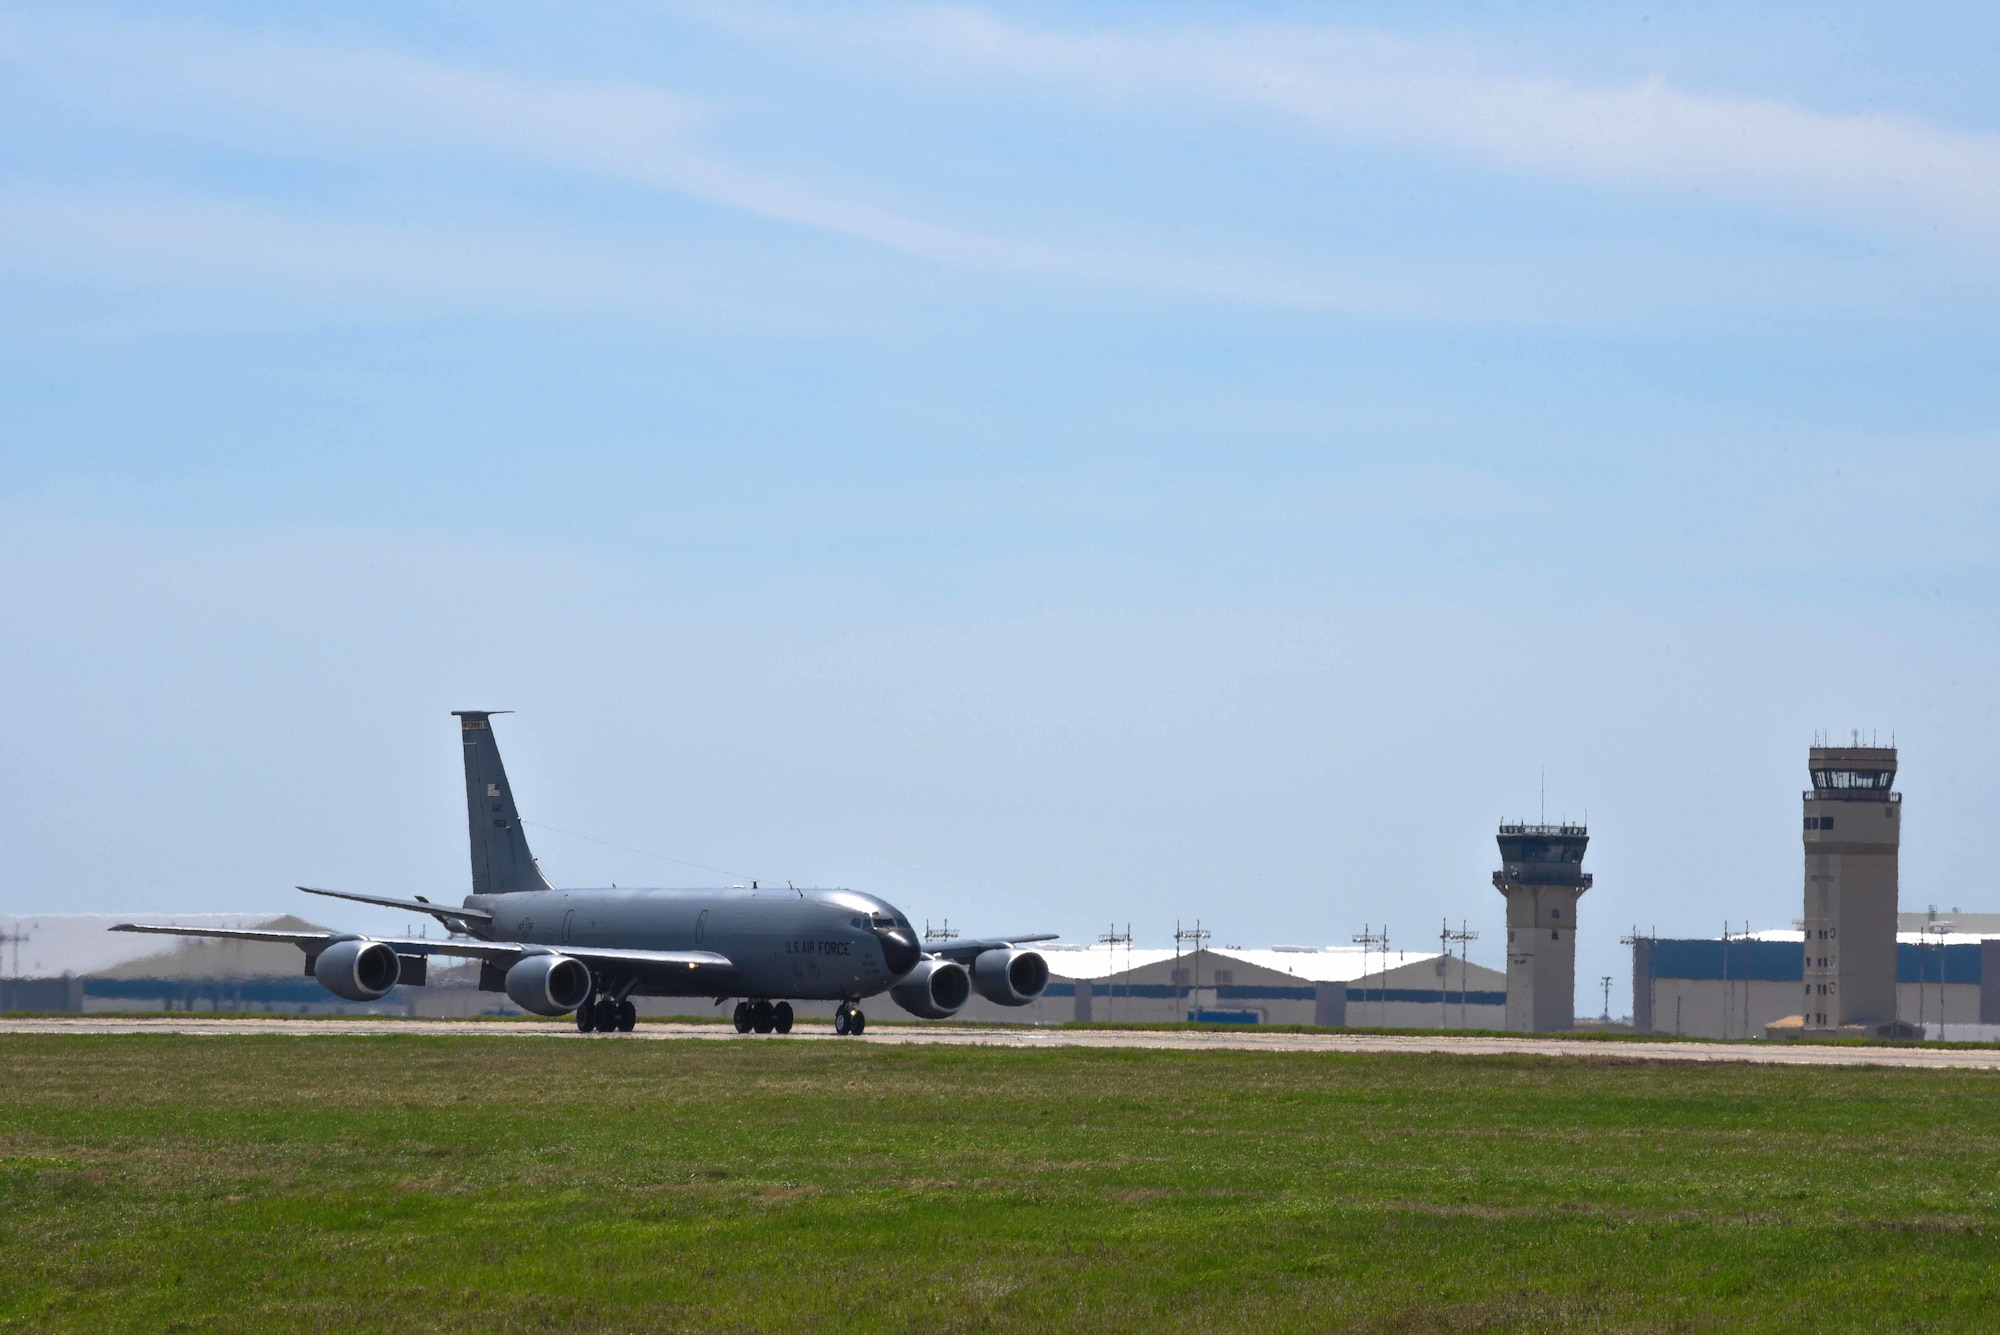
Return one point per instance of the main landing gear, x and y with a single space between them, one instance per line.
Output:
605 1015
764 1017
849 1020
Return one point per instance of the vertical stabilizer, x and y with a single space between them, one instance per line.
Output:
501 862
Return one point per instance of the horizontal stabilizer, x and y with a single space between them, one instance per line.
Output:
969 947
438 911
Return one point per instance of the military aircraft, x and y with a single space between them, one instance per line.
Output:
591 951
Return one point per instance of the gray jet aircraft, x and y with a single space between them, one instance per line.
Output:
591 951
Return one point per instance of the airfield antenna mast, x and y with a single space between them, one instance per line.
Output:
1606 980
1379 940
1445 938
942 932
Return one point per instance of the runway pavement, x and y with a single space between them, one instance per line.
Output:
1024 1036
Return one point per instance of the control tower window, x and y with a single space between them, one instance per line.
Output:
1866 779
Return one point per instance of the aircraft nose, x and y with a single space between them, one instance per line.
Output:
900 951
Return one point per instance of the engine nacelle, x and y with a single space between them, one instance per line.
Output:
935 989
1010 977
549 984
357 970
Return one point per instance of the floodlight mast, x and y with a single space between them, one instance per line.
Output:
1445 937
1366 939
1111 940
1648 940
1933 928
1196 936
14 939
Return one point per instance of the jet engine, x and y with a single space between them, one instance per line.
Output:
935 989
549 984
357 970
1010 977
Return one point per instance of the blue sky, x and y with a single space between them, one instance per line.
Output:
1051 465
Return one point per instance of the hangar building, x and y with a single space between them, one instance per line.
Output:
1853 964
1333 985
1739 986
74 962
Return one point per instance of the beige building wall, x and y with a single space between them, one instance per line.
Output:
1710 1008
1541 958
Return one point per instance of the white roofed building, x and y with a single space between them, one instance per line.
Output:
1331 985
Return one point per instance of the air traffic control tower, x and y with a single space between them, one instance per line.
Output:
1853 830
1541 874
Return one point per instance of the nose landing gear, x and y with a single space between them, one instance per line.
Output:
849 1020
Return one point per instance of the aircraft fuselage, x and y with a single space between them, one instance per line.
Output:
828 945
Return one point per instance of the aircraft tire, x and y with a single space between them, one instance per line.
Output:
840 1020
628 1016
856 1022
586 1018
742 1017
607 1016
762 1018
781 1017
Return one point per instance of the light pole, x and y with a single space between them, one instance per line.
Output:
1194 935
1380 940
1445 938
1111 940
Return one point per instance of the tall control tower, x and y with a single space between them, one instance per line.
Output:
1853 830
1541 873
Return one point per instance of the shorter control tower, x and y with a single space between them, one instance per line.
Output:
1853 833
1541 874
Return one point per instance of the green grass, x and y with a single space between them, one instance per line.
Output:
404 1183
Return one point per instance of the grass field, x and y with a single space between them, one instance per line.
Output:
405 1183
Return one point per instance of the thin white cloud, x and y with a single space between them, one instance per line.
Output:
1873 168
211 243
298 100
403 120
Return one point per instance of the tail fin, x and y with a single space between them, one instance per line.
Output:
501 862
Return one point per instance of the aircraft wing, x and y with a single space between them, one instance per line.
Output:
676 964
701 965
704 966
300 939
966 948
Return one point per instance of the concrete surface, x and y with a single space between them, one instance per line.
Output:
1774 1054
